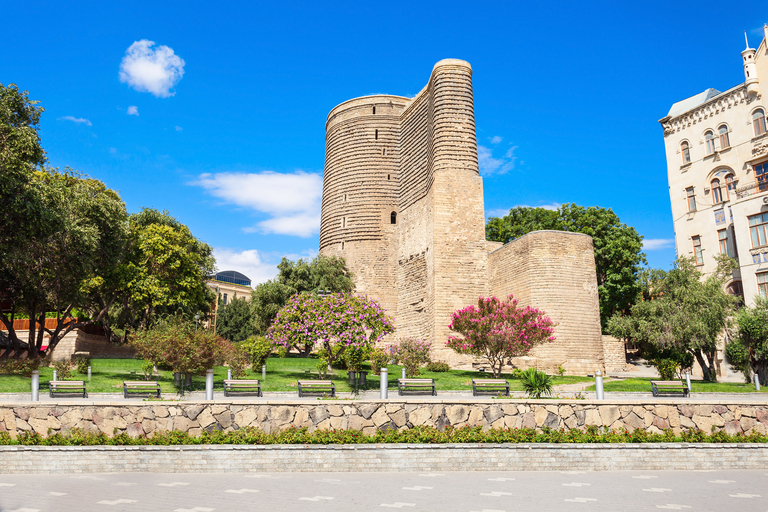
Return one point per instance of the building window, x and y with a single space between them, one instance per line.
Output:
730 186
393 218
733 241
376 135
717 194
686 151
724 141
691 199
761 176
762 284
709 137
757 229
697 251
758 122
722 237
225 299
374 110
735 288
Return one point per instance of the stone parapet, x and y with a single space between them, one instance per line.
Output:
135 419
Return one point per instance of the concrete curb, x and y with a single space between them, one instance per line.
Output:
381 458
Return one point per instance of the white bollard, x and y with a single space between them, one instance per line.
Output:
89 374
599 385
263 372
229 373
54 375
402 376
209 384
688 381
384 383
757 381
36 386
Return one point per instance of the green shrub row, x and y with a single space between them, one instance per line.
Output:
429 435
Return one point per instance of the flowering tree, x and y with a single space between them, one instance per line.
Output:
499 330
412 354
336 321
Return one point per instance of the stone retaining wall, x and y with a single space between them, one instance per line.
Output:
137 418
393 457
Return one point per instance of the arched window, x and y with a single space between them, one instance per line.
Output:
730 186
717 194
758 122
393 218
724 141
686 151
709 137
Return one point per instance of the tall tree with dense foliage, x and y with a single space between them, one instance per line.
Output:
618 247
499 330
329 274
687 313
335 322
233 320
748 351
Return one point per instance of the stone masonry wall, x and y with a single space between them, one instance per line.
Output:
554 271
370 416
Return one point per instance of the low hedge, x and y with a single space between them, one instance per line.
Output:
428 435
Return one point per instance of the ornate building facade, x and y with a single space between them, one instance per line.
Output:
717 162
403 204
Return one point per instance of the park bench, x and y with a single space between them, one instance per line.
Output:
668 386
490 386
242 386
416 386
316 387
141 387
67 386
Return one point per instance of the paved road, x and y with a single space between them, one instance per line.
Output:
745 491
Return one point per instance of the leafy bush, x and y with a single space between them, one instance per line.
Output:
238 361
517 373
411 354
82 364
437 366
23 367
738 355
148 369
354 356
419 434
536 383
63 369
379 359
667 368
259 349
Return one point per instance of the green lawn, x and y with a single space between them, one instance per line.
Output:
698 386
282 373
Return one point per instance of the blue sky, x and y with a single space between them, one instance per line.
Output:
221 120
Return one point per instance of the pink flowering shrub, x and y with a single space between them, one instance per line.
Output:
411 354
499 330
335 322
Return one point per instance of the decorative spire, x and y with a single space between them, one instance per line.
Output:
745 39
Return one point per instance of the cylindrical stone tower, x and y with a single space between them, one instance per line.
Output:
359 209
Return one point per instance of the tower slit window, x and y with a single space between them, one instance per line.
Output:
393 218
376 135
374 110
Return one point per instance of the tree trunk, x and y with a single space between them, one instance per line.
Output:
704 367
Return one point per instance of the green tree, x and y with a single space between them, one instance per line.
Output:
233 320
750 346
322 273
688 313
618 247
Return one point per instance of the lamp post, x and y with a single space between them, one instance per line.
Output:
197 317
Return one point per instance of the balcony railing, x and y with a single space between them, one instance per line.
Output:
750 190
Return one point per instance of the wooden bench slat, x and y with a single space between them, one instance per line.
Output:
242 386
313 387
669 386
137 387
490 386
67 386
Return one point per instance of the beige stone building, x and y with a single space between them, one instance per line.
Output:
717 161
403 203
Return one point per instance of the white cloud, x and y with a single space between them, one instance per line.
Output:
151 69
501 212
179 128
497 212
78 120
492 165
249 262
654 244
133 110
495 139
291 200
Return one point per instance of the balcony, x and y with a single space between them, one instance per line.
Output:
751 190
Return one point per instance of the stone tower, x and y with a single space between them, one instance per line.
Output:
403 204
